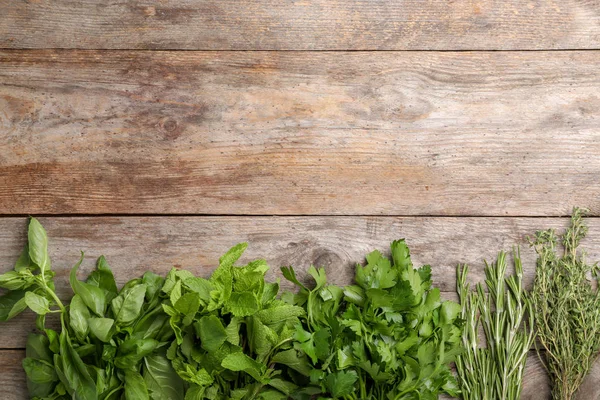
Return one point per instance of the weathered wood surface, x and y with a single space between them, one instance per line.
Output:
301 25
508 133
133 245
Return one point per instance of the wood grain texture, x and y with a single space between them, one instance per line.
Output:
301 25
299 133
12 376
133 245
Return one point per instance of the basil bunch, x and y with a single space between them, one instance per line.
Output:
112 343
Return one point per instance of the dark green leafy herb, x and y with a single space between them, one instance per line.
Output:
567 308
389 336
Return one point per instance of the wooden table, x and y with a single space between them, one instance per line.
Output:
161 133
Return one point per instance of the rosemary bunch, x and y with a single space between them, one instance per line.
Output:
494 372
567 308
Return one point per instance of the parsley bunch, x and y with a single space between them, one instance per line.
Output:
388 336
567 307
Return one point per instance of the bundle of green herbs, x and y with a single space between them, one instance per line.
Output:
566 303
388 336
494 372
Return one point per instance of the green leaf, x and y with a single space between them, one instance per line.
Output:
78 317
229 258
290 275
241 362
211 332
285 387
24 261
39 371
37 303
242 304
153 284
233 331
401 255
12 280
449 312
12 304
319 276
188 305
103 278
161 379
102 328
92 296
341 383
201 286
279 313
38 347
38 245
135 386
75 371
128 304
131 352
293 360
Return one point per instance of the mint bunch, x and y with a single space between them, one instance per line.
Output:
388 336
232 334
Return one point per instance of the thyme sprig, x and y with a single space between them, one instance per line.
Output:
567 307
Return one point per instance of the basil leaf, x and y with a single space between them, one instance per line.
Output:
38 245
9 301
161 379
103 278
102 328
135 386
128 304
37 303
39 371
24 261
12 280
92 296
78 317
76 372
131 352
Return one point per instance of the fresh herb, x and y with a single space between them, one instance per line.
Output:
388 336
110 343
494 372
233 337
567 308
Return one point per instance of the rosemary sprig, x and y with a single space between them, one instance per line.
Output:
494 372
567 308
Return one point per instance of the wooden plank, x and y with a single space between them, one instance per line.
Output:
299 133
133 245
301 25
12 379
12 376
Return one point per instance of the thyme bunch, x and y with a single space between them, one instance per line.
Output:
494 372
567 307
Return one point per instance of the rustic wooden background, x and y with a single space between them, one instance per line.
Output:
162 132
